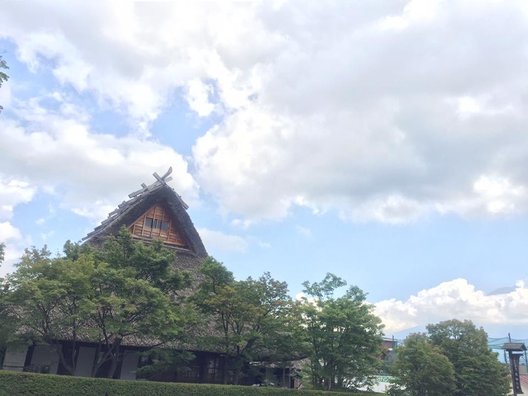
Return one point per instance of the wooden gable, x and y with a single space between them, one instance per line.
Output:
158 223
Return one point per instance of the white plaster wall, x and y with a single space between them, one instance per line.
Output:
85 361
129 366
45 355
14 358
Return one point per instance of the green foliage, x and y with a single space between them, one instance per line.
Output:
453 359
421 369
151 262
51 298
163 361
478 372
248 316
124 292
6 325
13 383
3 77
343 333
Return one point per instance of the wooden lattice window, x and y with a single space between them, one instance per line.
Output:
158 223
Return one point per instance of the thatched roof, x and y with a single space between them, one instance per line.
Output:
140 201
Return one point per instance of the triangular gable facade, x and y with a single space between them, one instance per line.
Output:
156 212
159 223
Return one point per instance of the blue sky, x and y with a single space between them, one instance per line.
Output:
382 141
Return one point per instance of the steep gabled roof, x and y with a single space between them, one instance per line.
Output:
140 201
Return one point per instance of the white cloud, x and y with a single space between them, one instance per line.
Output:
137 54
362 120
8 232
198 97
5 94
217 241
12 193
14 246
88 172
383 111
456 299
498 194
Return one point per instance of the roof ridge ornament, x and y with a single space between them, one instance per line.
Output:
165 178
160 181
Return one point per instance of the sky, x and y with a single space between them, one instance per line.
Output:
382 141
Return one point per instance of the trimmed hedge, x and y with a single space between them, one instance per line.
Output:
16 383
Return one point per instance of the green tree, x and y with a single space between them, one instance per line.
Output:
6 324
477 369
246 315
421 369
51 300
135 297
150 262
103 295
3 76
343 333
285 342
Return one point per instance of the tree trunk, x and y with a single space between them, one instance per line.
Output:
96 363
115 354
238 367
113 366
237 375
224 371
68 365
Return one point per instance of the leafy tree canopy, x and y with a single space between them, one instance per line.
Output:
6 324
247 316
3 76
343 333
477 369
124 291
422 369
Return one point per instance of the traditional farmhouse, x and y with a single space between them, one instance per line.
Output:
154 212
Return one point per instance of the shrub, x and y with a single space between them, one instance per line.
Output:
15 383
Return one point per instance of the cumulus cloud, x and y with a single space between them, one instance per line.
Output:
456 299
137 54
383 111
14 243
8 232
59 154
55 152
12 193
198 98
396 114
217 241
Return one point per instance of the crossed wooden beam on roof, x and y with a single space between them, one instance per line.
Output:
159 181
